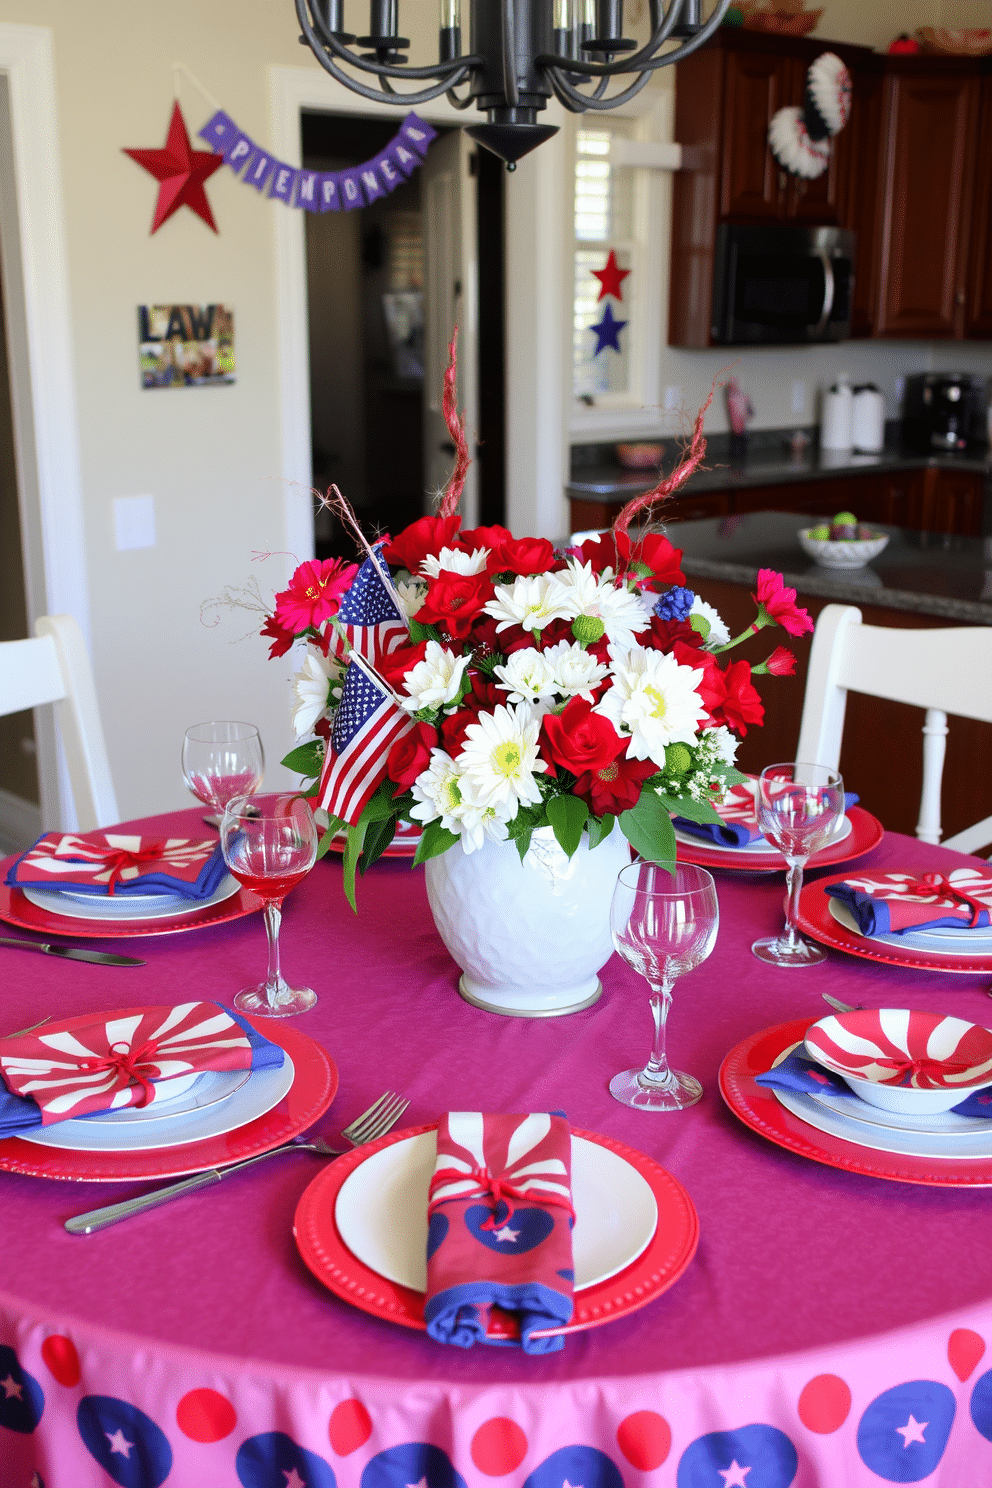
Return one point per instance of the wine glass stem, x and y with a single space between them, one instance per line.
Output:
273 919
794 882
656 1071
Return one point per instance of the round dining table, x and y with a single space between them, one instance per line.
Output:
831 1329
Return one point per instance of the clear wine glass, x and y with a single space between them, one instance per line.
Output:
799 807
663 924
221 760
270 844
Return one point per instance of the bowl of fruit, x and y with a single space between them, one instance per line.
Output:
843 543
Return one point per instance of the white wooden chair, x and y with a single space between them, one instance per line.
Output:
55 668
943 671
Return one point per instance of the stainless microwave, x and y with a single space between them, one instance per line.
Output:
782 285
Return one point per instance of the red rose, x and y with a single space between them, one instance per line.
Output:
454 602
779 604
662 634
422 539
615 787
401 661
485 693
410 756
579 740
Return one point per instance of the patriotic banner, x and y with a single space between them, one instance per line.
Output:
499 1231
120 863
370 618
368 722
320 191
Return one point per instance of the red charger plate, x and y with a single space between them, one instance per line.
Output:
314 1086
758 1108
17 910
866 832
816 921
672 1247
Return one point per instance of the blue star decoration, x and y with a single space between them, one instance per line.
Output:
607 331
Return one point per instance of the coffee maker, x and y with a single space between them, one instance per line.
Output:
946 411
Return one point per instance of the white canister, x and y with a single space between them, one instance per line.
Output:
869 419
837 418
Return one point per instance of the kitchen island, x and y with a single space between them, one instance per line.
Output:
921 579
901 485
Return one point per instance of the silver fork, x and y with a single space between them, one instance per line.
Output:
375 1122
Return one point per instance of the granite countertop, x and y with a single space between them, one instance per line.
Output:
768 461
926 573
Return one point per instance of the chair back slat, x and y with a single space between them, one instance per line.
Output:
29 674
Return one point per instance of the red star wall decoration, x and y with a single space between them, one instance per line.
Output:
611 278
181 172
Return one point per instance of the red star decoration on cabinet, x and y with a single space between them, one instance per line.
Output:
181 172
611 278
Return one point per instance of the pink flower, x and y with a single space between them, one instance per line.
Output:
778 604
314 594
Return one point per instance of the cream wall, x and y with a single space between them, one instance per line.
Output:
210 457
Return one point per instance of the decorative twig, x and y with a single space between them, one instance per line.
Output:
690 462
456 428
336 503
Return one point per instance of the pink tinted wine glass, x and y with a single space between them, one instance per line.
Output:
222 759
270 844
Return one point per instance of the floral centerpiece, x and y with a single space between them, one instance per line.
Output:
482 686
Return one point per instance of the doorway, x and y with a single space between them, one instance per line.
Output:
384 287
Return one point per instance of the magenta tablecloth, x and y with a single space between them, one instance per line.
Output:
806 1279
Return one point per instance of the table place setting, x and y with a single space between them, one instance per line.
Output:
911 1089
933 921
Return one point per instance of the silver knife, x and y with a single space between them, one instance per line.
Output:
70 953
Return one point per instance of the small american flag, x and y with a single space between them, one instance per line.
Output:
369 616
367 723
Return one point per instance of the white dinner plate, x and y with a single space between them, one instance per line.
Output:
946 941
133 907
941 1123
264 1089
760 846
816 1112
197 1092
381 1211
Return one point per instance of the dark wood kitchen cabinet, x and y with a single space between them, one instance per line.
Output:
929 134
726 95
978 311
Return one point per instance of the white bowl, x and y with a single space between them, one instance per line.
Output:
959 1056
853 554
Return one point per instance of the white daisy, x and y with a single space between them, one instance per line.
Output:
532 601
499 759
411 595
436 680
654 700
576 672
311 689
437 792
455 560
623 613
718 634
527 676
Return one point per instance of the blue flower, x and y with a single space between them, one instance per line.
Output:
675 604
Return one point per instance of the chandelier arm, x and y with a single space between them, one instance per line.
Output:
633 63
450 73
456 102
693 43
595 100
510 90
578 102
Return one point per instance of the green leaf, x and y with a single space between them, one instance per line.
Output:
567 815
648 828
354 842
377 839
434 841
382 803
306 759
521 840
694 811
600 828
419 632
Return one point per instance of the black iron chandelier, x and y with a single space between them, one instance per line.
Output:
523 51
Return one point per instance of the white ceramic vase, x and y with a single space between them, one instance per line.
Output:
529 936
